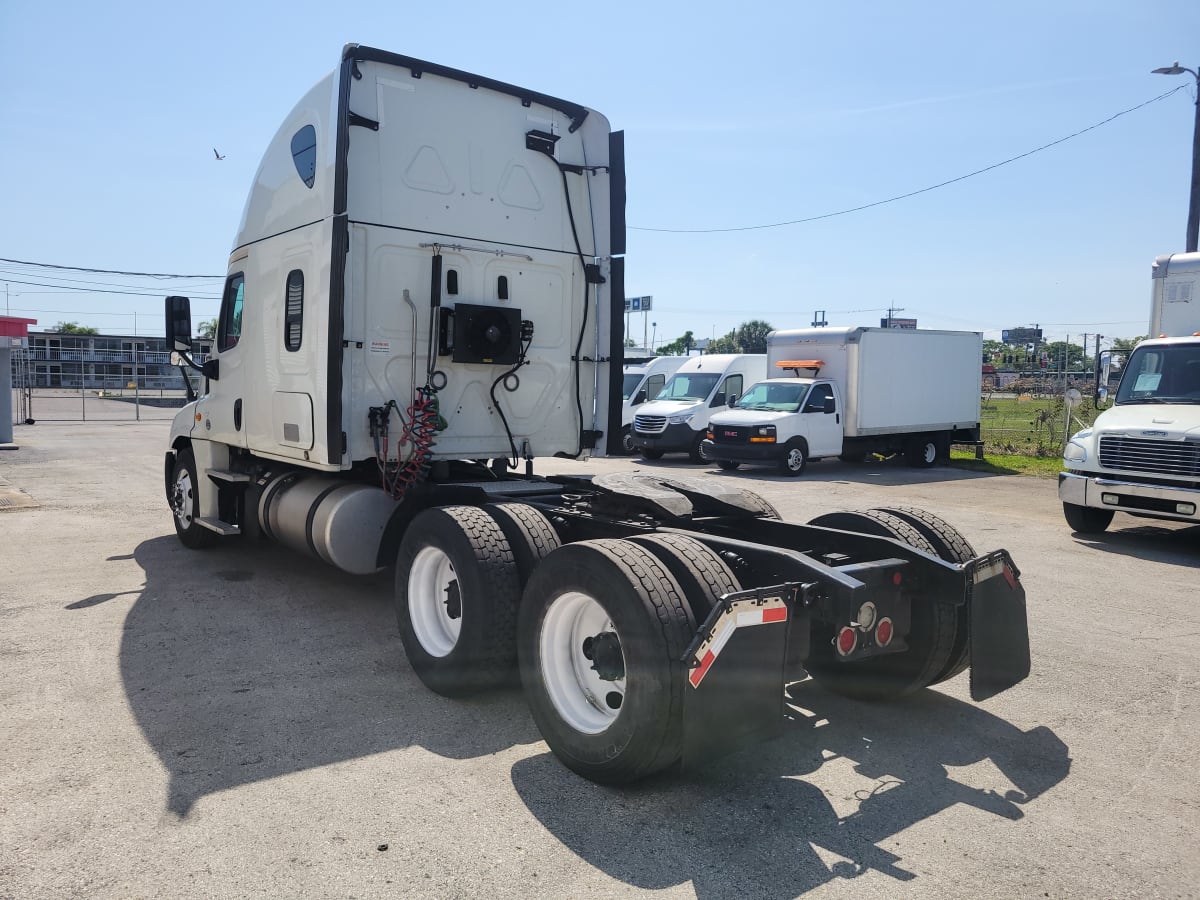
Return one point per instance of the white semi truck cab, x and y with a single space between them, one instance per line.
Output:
1142 456
426 291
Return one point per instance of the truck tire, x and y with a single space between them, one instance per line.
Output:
601 636
701 573
1087 519
627 444
950 545
530 535
794 459
931 636
185 503
457 592
651 453
923 451
696 454
728 464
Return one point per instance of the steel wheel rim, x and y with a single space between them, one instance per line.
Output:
581 697
795 459
929 452
183 501
429 582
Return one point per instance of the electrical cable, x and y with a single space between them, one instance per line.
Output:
521 361
25 262
78 290
924 190
586 300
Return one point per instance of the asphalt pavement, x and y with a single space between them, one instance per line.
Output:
242 722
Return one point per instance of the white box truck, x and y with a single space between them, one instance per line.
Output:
677 421
641 382
426 288
847 392
1142 456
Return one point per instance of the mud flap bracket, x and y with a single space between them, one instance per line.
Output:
735 673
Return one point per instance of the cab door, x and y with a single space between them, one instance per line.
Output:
822 414
220 412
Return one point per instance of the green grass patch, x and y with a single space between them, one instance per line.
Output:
1007 464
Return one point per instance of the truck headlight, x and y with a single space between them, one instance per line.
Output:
681 419
762 434
1074 452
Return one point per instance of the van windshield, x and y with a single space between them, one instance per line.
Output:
630 384
1161 375
693 386
775 397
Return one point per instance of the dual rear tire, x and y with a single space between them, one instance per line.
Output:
599 632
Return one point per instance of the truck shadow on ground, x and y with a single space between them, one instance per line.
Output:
751 825
248 662
1177 545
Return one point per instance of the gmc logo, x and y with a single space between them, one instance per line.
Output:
729 433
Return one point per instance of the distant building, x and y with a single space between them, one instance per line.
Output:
99 361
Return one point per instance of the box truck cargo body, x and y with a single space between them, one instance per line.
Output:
848 392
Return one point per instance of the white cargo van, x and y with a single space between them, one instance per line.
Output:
640 382
848 392
677 421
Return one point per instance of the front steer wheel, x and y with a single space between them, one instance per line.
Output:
185 503
1087 519
602 631
457 591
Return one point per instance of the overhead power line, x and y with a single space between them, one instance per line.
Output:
924 190
89 290
23 262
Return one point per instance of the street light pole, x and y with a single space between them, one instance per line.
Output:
1193 225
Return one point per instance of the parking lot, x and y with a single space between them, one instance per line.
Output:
242 722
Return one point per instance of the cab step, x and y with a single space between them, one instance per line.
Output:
218 526
226 475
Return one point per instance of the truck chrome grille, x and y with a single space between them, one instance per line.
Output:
650 424
1180 458
729 434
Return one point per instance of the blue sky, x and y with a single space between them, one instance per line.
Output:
734 114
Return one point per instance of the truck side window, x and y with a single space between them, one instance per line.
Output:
731 388
654 385
229 328
293 312
816 398
304 154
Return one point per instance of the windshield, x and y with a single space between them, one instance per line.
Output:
630 385
1161 375
775 397
695 386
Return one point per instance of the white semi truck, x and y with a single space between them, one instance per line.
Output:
1142 456
425 291
848 392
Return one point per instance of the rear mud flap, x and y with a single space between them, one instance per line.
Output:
735 676
999 627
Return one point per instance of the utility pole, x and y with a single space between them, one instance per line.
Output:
1193 223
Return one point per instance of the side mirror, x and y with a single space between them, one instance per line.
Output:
1103 371
179 324
211 369
733 398
830 405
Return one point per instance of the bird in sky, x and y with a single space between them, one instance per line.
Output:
216 154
